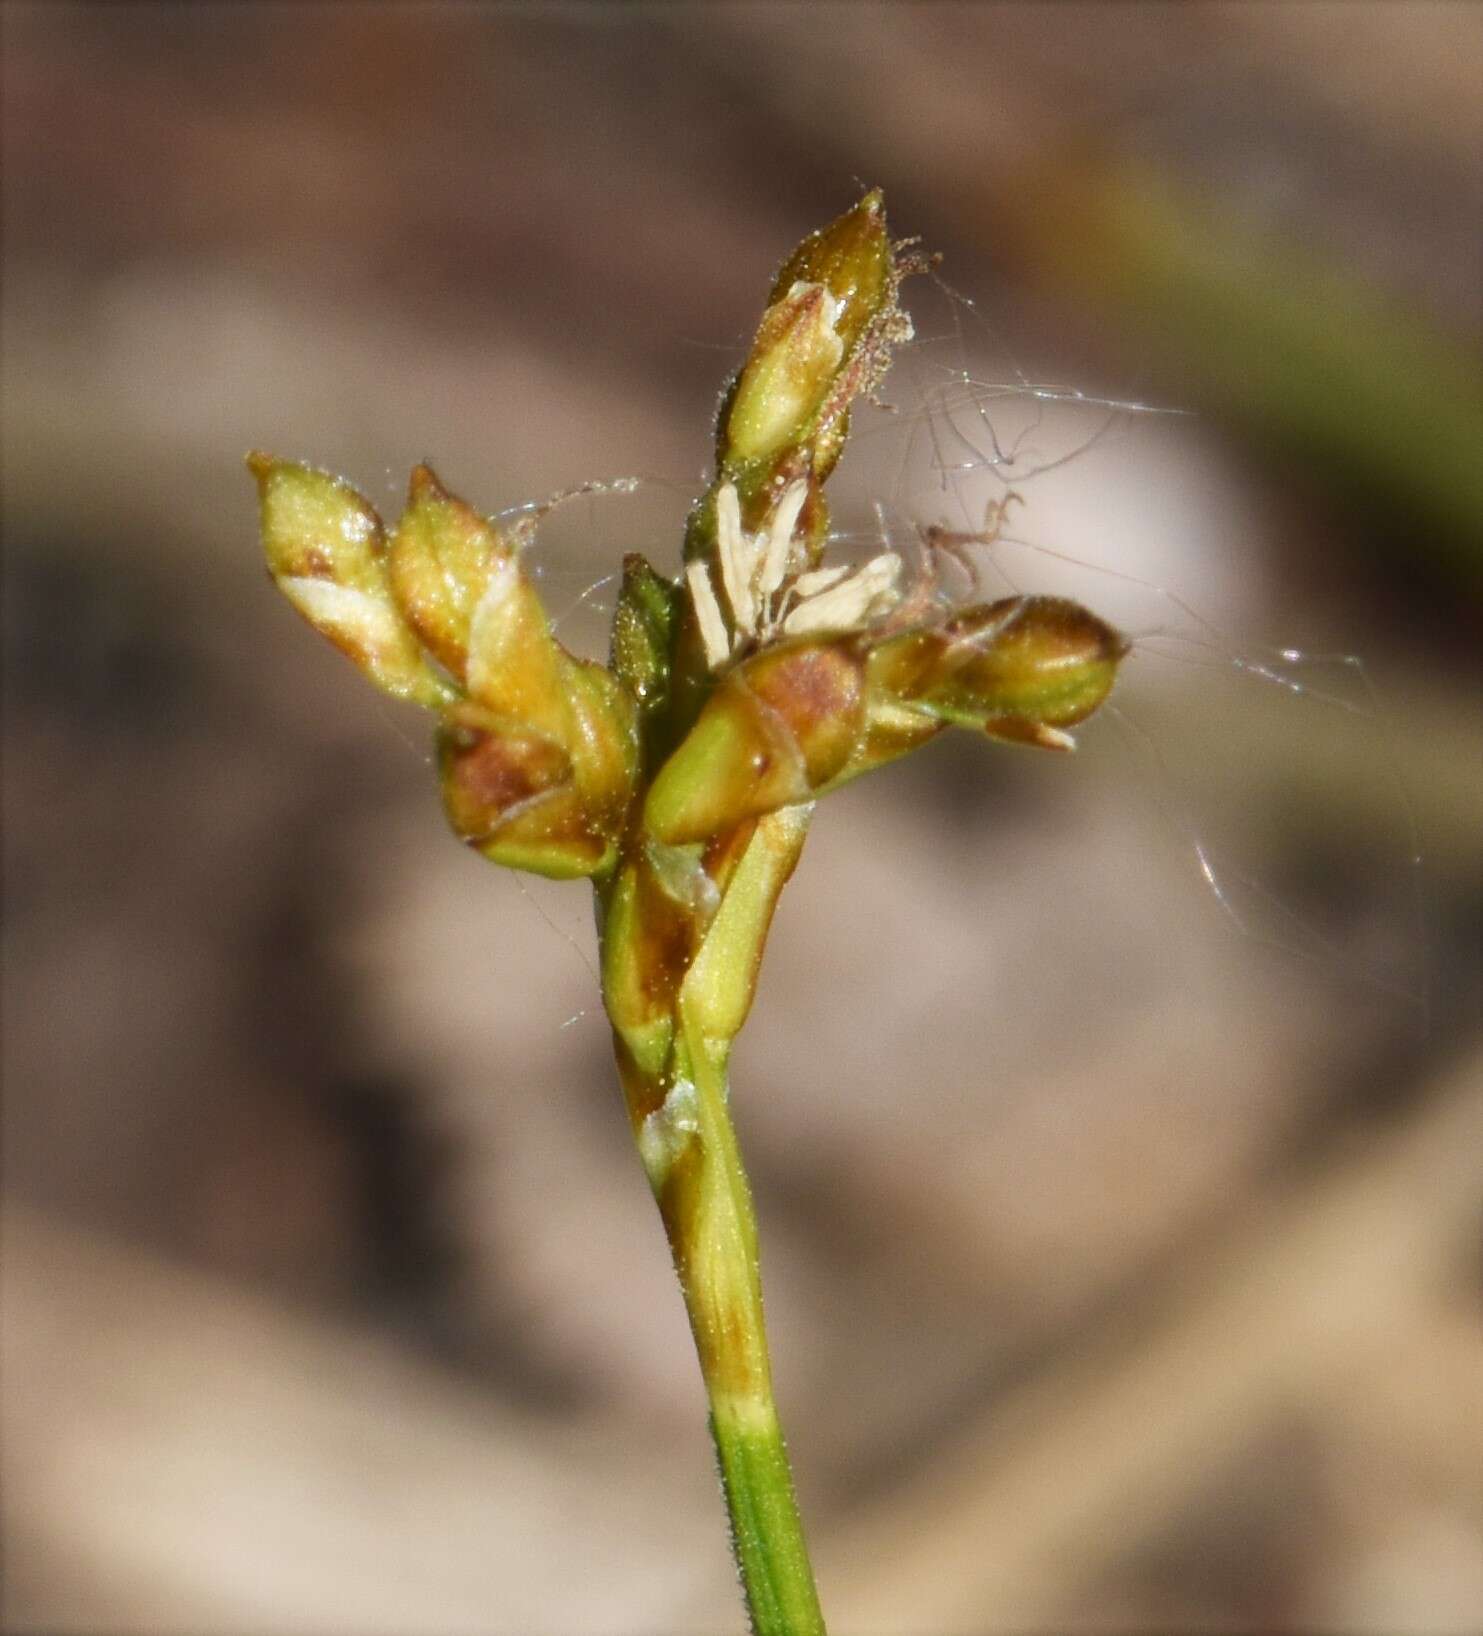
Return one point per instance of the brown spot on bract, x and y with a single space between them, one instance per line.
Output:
724 851
809 685
819 692
668 936
487 774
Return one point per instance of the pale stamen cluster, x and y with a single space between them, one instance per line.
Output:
768 595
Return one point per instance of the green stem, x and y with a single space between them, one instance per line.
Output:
766 1534
677 993
707 1207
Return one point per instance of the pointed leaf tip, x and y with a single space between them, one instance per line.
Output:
425 484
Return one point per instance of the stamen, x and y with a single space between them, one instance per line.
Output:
708 615
738 559
864 595
819 579
780 537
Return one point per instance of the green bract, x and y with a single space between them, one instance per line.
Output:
681 777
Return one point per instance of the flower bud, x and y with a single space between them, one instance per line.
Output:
551 798
776 729
831 298
441 559
851 257
545 831
793 361
516 669
1023 669
326 551
526 801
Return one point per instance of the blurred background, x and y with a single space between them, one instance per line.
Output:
1114 1119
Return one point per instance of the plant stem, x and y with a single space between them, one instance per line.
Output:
766 1535
708 1214
682 937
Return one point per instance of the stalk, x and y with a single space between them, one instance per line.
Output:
678 1103
712 1231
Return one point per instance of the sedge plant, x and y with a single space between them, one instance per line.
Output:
680 777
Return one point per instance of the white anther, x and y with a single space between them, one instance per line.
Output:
819 579
708 615
763 600
737 555
863 595
780 537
